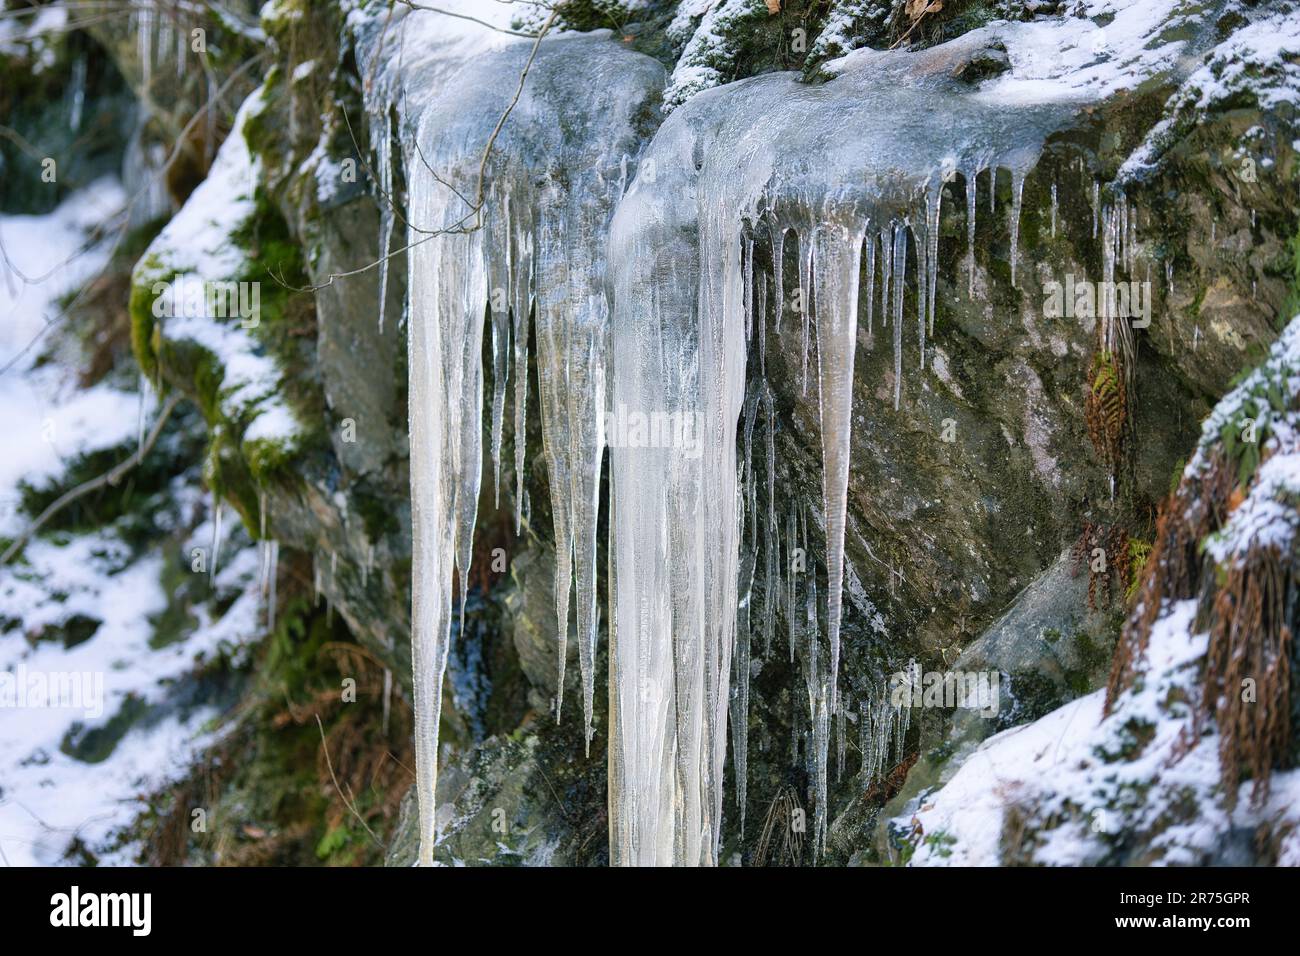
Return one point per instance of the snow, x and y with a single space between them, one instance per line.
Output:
47 796
48 420
197 250
1064 765
1073 59
1260 57
1080 776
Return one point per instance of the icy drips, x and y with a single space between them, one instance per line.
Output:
535 246
683 272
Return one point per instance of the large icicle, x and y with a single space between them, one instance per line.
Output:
550 185
837 257
727 159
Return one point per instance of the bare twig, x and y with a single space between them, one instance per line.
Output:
476 208
466 16
346 802
110 477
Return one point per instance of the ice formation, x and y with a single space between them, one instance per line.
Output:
765 156
502 238
832 178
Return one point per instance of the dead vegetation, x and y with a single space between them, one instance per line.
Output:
1249 607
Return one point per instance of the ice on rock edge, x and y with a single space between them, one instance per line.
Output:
765 152
557 168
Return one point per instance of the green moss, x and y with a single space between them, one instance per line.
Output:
148 271
376 512
176 621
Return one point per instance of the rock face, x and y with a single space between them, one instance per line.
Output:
960 502
1186 758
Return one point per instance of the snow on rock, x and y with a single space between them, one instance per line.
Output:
1141 784
710 49
192 272
116 684
1261 60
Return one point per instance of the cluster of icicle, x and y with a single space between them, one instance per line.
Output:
825 175
159 34
765 163
518 235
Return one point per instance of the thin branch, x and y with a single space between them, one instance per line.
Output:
482 23
110 477
482 166
475 209
346 802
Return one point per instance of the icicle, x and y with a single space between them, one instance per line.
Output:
388 700
932 255
921 242
1017 191
747 267
769 525
792 582
551 244
139 425
521 291
180 53
1054 210
1096 206
841 738
741 664
263 546
970 230
778 271
329 597
498 264
899 271
273 569
886 270
77 106
807 241
869 249
1169 277
837 335
144 44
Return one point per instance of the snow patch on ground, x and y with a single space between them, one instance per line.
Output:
48 420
